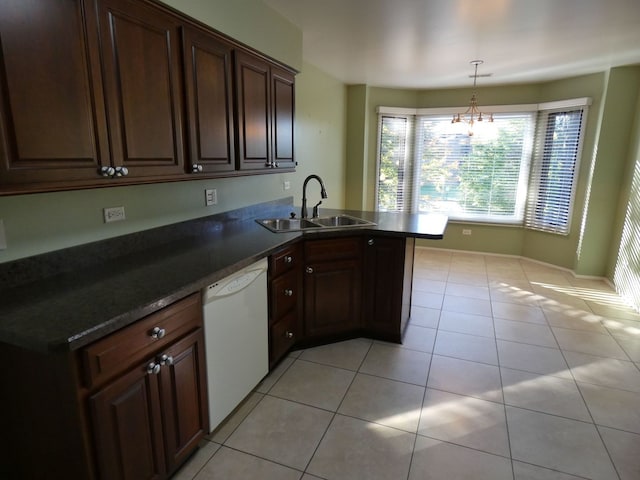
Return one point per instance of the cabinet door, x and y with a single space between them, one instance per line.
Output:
283 101
332 286
383 286
184 397
142 80
332 297
52 120
128 428
209 102
253 110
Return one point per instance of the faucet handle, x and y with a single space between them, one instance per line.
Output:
316 210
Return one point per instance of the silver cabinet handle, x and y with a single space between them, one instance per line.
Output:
288 334
153 368
288 292
121 171
288 259
308 270
370 242
165 360
158 333
196 168
107 171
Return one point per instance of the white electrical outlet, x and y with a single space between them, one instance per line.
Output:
113 214
286 185
466 231
211 197
3 236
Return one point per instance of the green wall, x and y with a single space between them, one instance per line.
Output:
38 223
604 156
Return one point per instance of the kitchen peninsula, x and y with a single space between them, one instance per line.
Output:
59 311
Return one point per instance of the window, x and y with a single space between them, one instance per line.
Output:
518 170
554 173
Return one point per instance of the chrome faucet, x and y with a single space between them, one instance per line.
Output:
323 194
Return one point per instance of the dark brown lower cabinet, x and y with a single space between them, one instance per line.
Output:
127 427
388 272
131 405
148 421
352 285
332 288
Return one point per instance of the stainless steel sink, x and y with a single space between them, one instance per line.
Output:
341 221
286 224
280 225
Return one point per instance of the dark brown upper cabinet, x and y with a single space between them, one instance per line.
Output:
143 87
209 92
112 92
52 120
265 109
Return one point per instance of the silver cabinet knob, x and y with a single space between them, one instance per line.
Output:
288 259
370 242
107 171
153 368
288 292
158 333
308 270
121 171
165 360
196 168
288 334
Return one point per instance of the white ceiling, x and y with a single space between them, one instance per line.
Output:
429 43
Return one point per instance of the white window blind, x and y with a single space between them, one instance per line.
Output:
554 170
395 176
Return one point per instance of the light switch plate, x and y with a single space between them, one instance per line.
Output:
211 197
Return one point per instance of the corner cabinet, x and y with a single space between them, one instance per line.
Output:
351 285
97 93
265 108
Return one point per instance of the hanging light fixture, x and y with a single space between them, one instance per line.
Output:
473 114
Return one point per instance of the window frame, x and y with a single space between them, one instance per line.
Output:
547 107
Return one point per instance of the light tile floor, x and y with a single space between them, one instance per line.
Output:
510 370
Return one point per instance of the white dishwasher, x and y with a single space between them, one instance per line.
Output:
236 338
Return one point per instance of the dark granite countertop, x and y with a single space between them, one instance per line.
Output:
67 299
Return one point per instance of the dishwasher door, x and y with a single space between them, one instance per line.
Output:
236 338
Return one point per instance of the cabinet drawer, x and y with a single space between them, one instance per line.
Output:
332 249
285 260
284 293
283 334
117 352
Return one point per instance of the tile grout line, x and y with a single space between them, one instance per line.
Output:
335 413
424 394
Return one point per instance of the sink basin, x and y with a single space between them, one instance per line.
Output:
286 224
341 221
279 225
